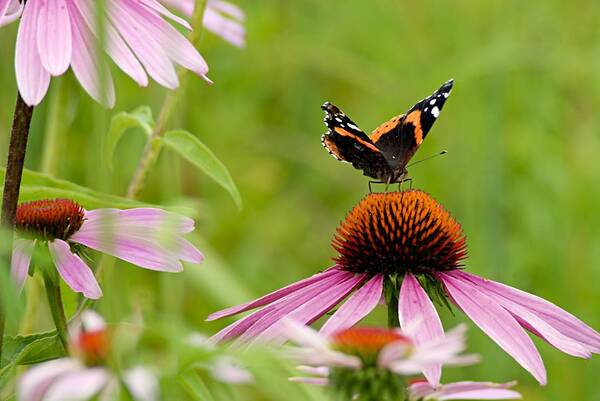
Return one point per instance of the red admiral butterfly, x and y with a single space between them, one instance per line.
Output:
385 154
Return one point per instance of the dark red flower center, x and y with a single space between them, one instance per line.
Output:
49 219
396 232
365 342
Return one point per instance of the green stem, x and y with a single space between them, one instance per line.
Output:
57 308
391 291
154 145
12 182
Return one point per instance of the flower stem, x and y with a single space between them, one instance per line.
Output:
12 181
154 145
56 307
391 291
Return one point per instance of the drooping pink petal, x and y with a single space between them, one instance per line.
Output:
359 305
273 296
466 390
78 386
32 79
10 10
115 45
558 318
230 30
176 46
310 311
228 8
34 383
132 28
142 384
73 270
54 36
85 63
496 323
186 251
21 258
317 381
302 306
415 307
159 8
277 300
146 219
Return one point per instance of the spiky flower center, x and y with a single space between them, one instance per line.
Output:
49 219
396 232
365 342
93 347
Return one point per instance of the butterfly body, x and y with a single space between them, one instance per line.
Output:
384 154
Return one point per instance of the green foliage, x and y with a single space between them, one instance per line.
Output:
123 122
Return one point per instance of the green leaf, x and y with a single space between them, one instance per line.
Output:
193 150
195 386
122 122
36 186
30 349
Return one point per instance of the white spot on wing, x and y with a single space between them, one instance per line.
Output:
432 101
435 112
353 126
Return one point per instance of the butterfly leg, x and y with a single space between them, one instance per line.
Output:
373 182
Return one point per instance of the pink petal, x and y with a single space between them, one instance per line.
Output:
152 219
132 27
157 7
317 381
282 296
34 383
115 45
135 250
273 296
188 252
230 30
311 310
227 8
73 270
359 305
496 323
558 318
32 79
21 258
10 10
85 62
476 391
54 36
78 386
311 297
142 384
414 307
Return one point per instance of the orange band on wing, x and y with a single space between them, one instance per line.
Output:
385 128
343 132
415 119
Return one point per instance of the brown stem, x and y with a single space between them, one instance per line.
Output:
12 181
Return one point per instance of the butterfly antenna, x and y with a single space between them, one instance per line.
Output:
443 152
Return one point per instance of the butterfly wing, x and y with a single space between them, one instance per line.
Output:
345 141
399 138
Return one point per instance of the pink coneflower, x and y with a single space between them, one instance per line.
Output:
147 237
365 363
222 18
406 240
57 34
86 374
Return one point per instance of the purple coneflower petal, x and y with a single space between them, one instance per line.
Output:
35 382
32 79
10 10
78 386
131 26
228 8
558 318
54 36
496 323
317 381
275 295
230 30
142 384
135 250
359 305
115 45
466 390
147 218
21 258
281 299
305 306
73 270
187 252
159 8
415 307
85 62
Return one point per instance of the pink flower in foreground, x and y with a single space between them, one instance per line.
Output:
466 390
57 34
367 364
146 237
86 375
222 18
405 240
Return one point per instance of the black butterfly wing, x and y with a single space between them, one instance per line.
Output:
399 138
345 141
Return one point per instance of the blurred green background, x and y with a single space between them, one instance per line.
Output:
521 174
